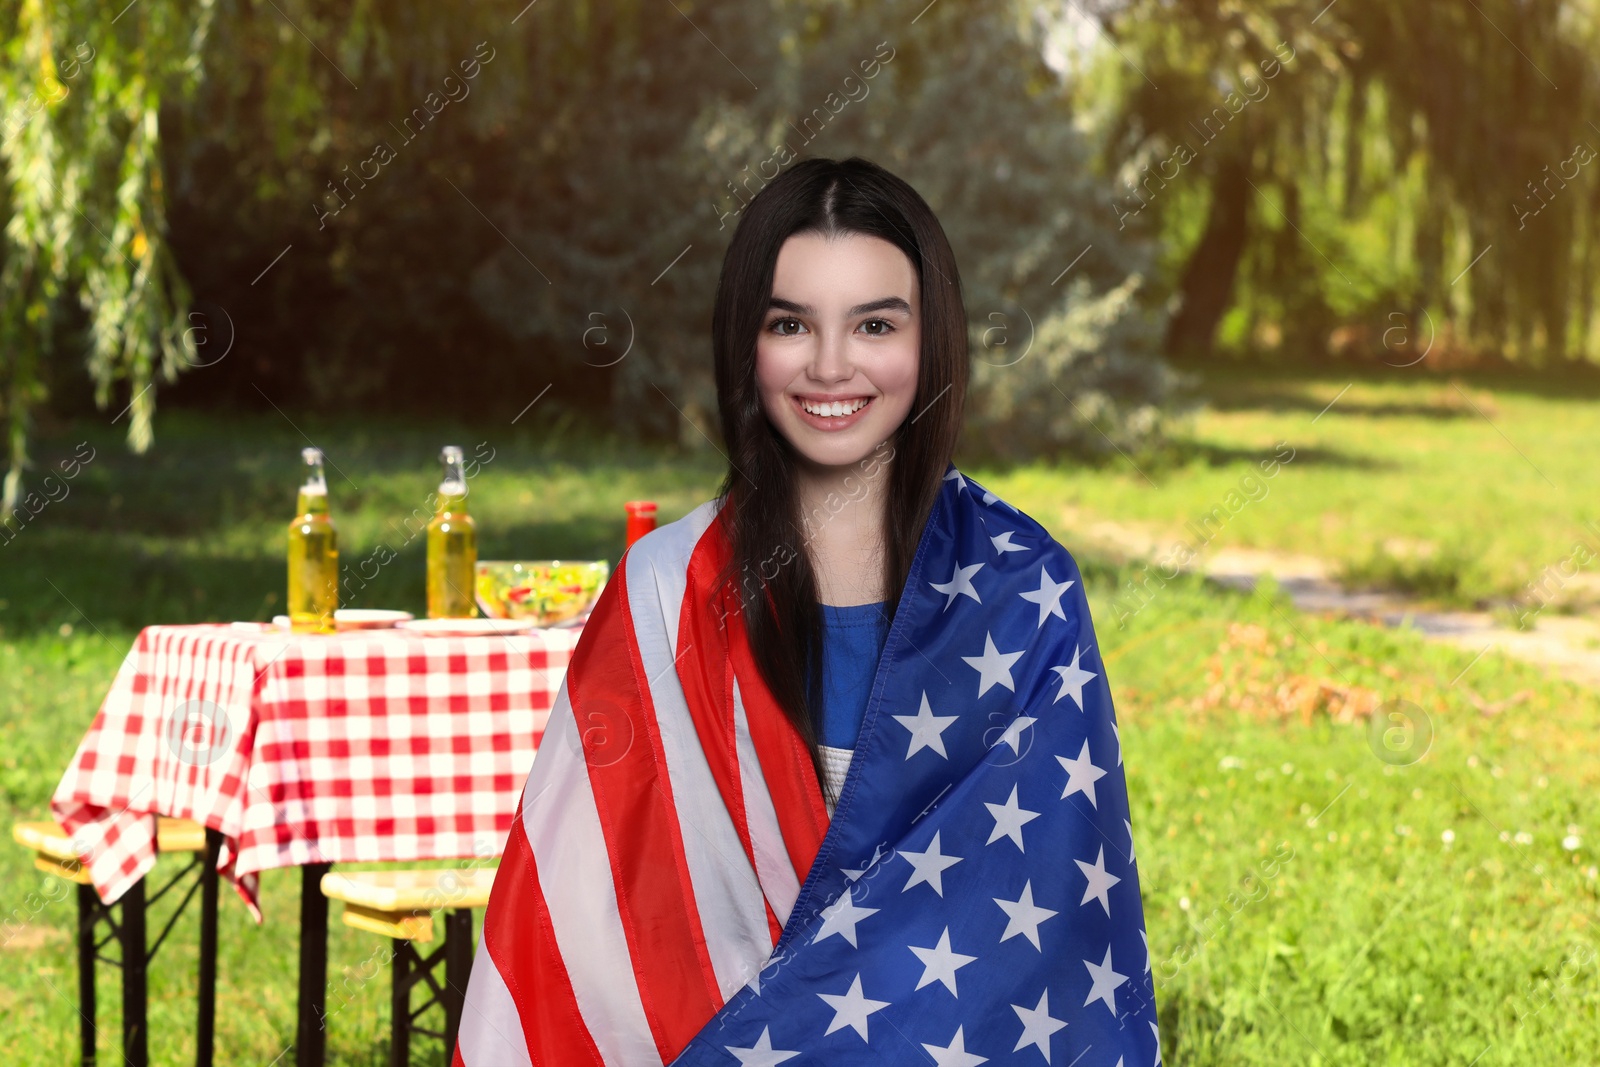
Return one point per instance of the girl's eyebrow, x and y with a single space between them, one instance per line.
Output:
886 303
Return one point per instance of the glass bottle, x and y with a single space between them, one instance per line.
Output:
313 555
452 545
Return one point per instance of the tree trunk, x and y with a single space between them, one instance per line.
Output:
1206 288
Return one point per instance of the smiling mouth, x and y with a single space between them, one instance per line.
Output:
834 409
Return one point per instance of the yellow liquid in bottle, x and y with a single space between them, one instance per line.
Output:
452 561
313 567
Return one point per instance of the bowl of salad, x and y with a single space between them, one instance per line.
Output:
551 592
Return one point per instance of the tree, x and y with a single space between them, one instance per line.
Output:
85 204
449 209
1398 144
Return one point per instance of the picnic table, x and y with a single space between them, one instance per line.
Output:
299 750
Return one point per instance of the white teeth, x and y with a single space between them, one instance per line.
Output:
834 409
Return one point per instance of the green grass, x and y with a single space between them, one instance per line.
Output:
1372 941
1376 942
1460 489
193 532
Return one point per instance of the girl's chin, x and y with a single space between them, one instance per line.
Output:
838 457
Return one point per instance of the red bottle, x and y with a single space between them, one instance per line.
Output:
641 520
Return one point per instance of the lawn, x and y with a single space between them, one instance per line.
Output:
1458 489
1316 892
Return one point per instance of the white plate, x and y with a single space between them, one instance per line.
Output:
357 619
466 627
369 618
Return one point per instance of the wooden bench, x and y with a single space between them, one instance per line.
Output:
399 905
54 854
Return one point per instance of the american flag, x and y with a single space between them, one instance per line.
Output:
674 892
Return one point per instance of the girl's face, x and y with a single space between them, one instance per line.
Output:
839 349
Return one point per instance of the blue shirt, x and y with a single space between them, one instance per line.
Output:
852 642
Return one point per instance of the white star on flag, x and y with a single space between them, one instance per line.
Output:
959 480
954 1054
1100 881
1009 819
960 584
1104 982
841 917
1048 596
1073 679
851 1009
990 498
854 875
940 963
929 866
994 666
927 729
1013 733
1129 825
1022 917
1117 733
1082 774
1157 1034
1037 1026
1146 941
762 1054
1002 543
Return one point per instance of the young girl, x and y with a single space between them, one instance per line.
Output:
834 775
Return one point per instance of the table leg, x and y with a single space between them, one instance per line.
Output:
88 908
135 1031
400 1007
206 1027
310 1035
457 972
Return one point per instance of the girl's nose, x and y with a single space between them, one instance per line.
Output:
831 359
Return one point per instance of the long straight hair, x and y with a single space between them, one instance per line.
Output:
829 198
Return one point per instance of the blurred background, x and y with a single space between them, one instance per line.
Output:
1285 320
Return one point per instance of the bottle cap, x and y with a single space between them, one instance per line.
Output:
641 508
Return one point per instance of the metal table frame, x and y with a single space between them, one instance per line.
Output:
125 923
410 970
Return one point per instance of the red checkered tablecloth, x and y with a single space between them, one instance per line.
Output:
378 745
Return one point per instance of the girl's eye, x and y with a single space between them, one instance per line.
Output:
777 326
887 327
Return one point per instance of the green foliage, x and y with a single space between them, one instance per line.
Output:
986 134
1417 176
448 209
85 201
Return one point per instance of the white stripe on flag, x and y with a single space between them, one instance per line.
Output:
766 838
727 892
491 1034
673 543
564 832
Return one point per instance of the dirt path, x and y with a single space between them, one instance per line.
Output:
1567 645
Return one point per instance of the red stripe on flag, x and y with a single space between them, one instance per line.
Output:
522 942
707 678
785 761
610 697
706 675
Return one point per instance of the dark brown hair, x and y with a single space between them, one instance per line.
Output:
829 198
